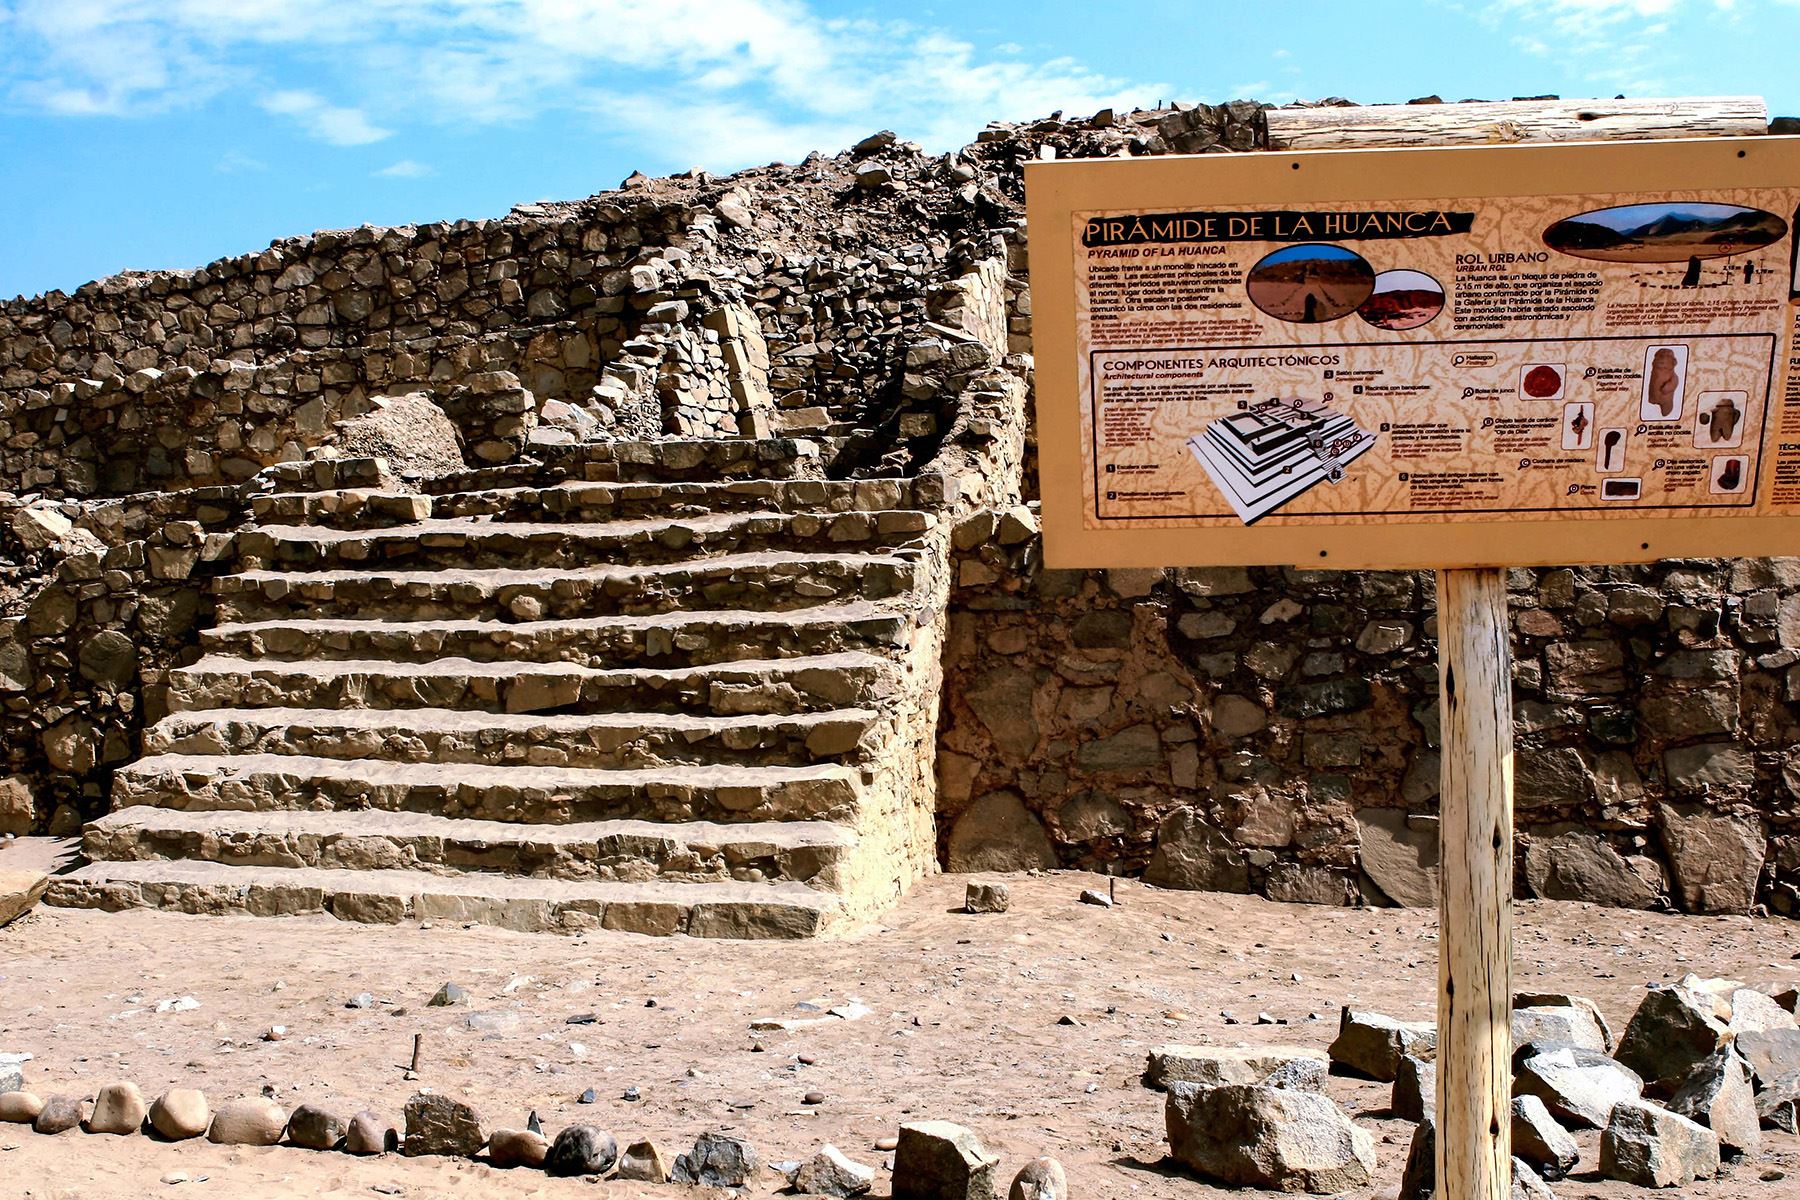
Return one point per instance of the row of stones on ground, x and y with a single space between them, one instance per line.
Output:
1081 715
1722 1059
932 1160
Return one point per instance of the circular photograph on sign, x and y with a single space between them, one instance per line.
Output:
1665 233
1403 300
1310 283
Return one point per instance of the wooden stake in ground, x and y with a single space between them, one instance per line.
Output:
1474 1105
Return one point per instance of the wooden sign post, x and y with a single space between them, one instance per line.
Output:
1460 360
1475 810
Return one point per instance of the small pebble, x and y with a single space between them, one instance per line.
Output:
887 1143
587 1097
632 1095
813 1098
361 1000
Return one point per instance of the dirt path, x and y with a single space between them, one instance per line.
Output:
964 1025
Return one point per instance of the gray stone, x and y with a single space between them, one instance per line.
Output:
998 833
40 528
62 1113
939 1160
119 1108
1372 1044
1415 1089
1418 1180
1716 858
108 658
645 1162
1040 1179
1579 1087
987 898
830 1173
1652 1147
437 1124
449 994
510 1148
1236 1064
1249 1136
1756 1012
12 1075
18 810
1778 1104
1565 1000
1772 1054
1526 1185
1540 1141
1565 862
1299 883
1002 701
1556 1023
370 1134
1401 859
251 1121
1134 748
180 1113
717 1160
582 1150
1194 855
316 1128
1719 1094
1676 1027
1713 769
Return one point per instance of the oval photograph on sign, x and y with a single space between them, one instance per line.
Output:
1661 233
1310 283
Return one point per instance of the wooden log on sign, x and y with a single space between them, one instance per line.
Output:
1475 822
1486 124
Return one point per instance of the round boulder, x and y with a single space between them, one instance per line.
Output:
582 1150
118 1109
180 1113
252 1121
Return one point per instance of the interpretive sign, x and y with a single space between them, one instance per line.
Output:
1435 357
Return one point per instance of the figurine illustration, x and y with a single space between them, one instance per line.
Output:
1578 424
1724 421
1609 444
1732 476
1663 381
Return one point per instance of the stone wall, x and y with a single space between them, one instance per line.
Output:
1276 730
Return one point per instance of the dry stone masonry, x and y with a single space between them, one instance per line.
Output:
668 560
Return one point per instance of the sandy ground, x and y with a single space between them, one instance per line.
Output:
965 1025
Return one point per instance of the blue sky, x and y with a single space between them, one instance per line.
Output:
166 133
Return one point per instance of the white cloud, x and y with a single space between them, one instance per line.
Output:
732 81
327 122
236 162
406 168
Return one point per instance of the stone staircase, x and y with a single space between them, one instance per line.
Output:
660 687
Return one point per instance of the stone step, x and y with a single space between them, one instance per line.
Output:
524 794
658 639
751 686
773 581
724 910
617 501
647 462
467 542
441 735
806 852
363 508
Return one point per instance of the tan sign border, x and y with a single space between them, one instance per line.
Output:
1055 191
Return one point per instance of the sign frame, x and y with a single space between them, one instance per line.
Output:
1057 190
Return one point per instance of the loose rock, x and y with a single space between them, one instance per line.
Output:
1526 1185
1372 1044
508 1148
1650 1146
1272 1066
582 1150
1250 1136
830 1173
987 898
1718 1094
717 1160
1565 1000
20 1108
1540 1141
180 1113
252 1121
1557 1023
119 1108
1676 1027
1578 1086
370 1134
1419 1180
645 1162
316 1128
450 993
939 1160
62 1113
438 1124
1040 1179
1415 1089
